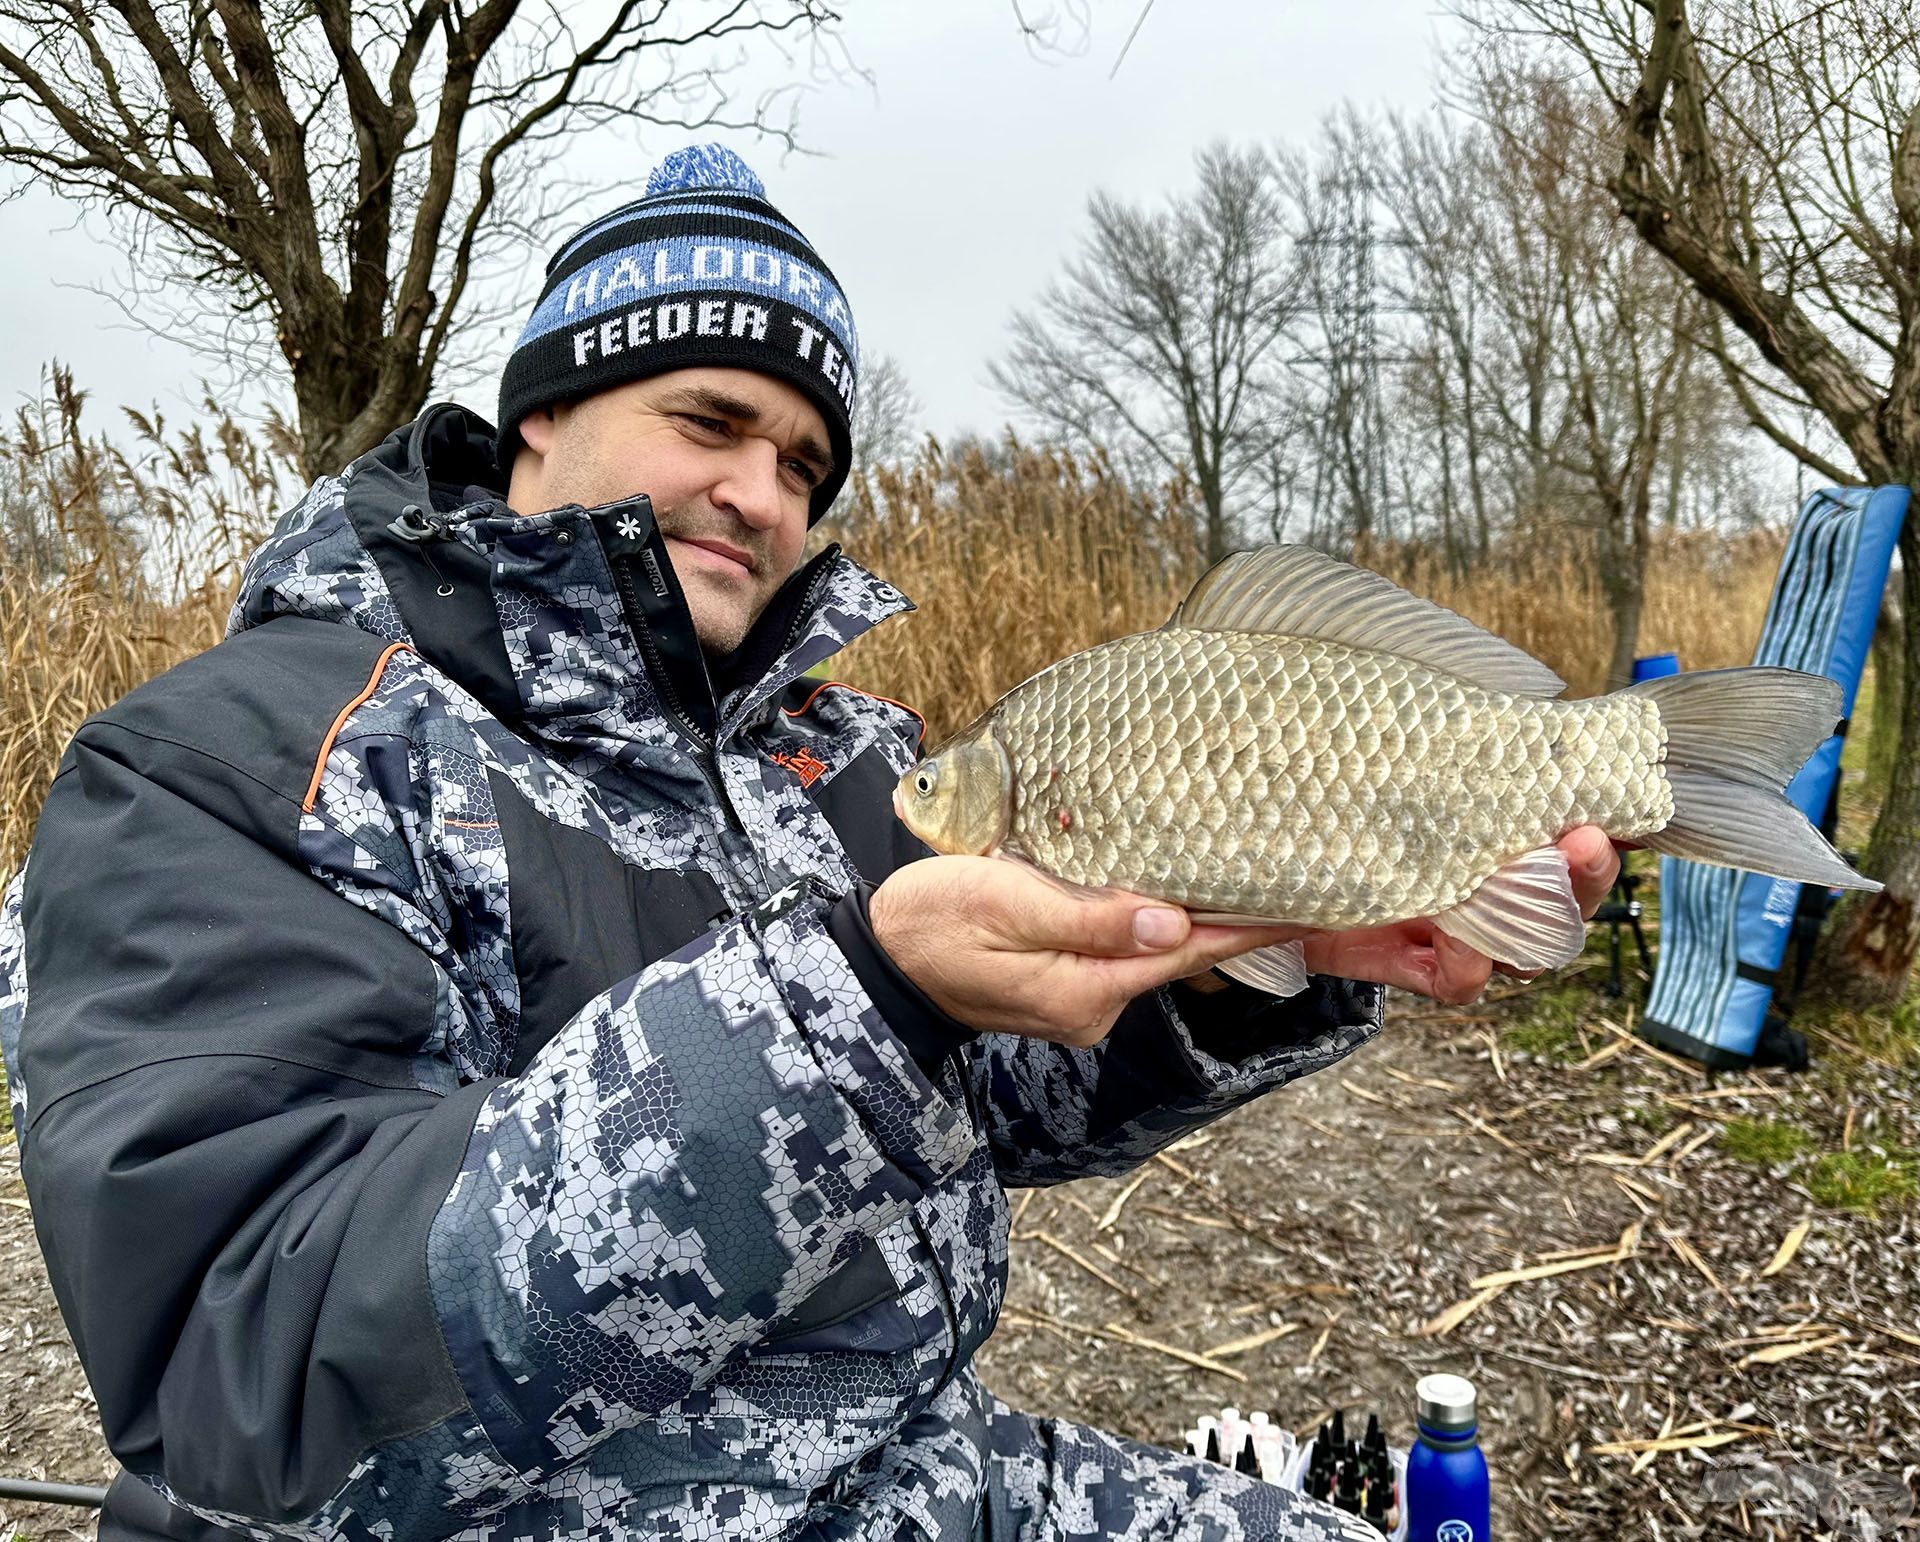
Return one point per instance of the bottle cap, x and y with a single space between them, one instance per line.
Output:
1445 1402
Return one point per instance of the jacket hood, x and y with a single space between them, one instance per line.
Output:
414 542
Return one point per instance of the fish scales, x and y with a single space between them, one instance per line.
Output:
1305 741
1307 780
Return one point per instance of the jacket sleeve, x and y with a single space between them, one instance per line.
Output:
1176 1059
307 1276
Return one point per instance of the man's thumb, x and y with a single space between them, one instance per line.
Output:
1159 926
1119 926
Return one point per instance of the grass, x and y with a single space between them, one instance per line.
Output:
1557 1043
1548 1025
1863 1181
1846 1040
1016 557
1706 597
1652 1118
1763 1142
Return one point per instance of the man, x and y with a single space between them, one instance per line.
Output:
466 1082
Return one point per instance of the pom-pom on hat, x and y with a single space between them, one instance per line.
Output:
699 270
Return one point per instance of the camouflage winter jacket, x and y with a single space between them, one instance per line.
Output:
458 1091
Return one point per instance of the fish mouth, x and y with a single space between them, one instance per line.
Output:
899 812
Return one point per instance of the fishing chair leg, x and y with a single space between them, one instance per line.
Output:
1622 909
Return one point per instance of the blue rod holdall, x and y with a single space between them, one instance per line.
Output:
1723 933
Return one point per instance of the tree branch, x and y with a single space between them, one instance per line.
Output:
1737 382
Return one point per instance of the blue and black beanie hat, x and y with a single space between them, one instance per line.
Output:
700 270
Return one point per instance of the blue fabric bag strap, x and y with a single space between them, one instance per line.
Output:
1723 933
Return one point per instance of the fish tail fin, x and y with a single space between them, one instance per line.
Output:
1735 738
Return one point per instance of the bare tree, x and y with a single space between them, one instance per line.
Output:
1479 284
337 174
1628 324
1434 182
886 414
1772 154
1544 392
1162 342
1499 265
1628 354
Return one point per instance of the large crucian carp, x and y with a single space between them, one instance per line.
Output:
1305 742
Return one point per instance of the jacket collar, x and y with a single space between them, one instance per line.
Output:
530 613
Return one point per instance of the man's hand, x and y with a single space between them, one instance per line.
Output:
1003 947
1417 956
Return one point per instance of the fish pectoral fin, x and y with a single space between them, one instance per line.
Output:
1279 970
1525 915
1296 591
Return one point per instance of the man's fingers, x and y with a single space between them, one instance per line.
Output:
1148 942
1459 972
1098 923
1592 864
1389 955
1217 943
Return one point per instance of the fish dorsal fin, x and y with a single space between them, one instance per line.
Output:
1295 591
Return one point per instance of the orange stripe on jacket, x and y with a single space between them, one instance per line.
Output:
824 684
340 722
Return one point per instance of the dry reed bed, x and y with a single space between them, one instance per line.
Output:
67 650
118 566
115 564
1022 560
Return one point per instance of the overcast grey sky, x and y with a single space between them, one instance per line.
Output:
945 196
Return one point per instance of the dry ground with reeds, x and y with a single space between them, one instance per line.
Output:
1646 1309
1324 1247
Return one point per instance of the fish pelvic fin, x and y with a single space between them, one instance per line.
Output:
1524 916
1295 591
1279 970
1735 738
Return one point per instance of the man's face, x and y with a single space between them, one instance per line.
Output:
730 459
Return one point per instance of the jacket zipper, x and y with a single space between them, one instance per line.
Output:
706 751
421 526
417 525
806 603
622 568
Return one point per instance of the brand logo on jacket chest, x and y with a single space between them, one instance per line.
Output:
802 763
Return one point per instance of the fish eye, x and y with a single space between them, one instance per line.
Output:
923 783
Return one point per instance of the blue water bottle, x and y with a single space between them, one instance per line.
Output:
1446 1496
